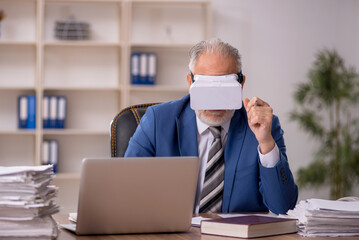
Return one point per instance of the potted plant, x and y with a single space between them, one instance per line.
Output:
326 110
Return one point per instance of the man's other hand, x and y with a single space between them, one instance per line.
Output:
260 116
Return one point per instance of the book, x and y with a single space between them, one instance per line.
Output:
249 226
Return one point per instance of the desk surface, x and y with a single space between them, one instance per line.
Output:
193 234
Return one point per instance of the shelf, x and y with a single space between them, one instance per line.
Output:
81 67
17 88
75 132
174 46
74 148
19 23
157 88
103 18
84 1
13 58
17 43
149 97
17 149
67 176
189 2
89 43
93 75
18 132
83 89
168 26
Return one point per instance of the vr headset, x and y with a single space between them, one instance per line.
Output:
216 92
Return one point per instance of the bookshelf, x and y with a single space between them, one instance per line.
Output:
93 74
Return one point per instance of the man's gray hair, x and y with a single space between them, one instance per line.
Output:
213 46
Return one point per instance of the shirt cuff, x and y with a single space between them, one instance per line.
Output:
270 159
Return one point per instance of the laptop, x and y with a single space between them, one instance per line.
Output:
136 195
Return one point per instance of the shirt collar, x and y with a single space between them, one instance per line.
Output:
201 126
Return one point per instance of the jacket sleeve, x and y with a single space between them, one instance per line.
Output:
142 143
277 184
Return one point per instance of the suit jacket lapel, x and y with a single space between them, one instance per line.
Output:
187 132
233 148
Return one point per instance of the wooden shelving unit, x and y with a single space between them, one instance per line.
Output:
94 74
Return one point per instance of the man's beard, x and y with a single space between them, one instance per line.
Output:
214 118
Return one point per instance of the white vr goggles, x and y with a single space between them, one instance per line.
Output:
216 92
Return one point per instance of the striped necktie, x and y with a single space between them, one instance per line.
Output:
212 192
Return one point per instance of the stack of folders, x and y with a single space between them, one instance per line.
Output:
50 153
143 68
27 112
27 203
54 111
318 217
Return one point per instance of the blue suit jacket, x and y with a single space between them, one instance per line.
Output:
170 129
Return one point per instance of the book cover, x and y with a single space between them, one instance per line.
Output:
249 226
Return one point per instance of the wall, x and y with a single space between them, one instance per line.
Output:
278 40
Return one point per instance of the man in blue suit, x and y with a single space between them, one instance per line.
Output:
257 177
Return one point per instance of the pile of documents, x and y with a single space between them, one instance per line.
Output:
318 217
27 203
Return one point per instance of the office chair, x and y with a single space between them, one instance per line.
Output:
124 125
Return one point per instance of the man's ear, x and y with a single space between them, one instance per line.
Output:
189 81
244 80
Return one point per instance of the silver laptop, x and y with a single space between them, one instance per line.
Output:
136 195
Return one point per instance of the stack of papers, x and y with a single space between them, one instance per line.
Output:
27 203
318 217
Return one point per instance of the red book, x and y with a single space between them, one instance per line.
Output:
248 226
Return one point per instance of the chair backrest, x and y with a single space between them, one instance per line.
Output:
123 127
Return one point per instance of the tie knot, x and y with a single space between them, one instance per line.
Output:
216 131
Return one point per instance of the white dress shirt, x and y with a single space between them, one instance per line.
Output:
205 139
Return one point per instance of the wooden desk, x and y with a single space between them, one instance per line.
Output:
193 234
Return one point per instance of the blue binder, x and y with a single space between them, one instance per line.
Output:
135 68
53 112
22 111
143 68
45 158
152 68
46 112
61 111
31 110
54 154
